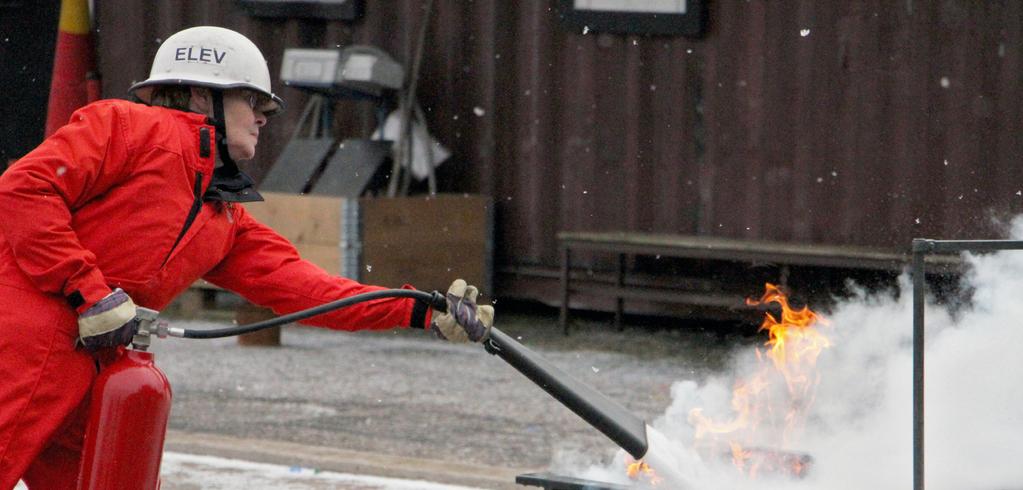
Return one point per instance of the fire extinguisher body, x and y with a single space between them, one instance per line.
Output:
128 413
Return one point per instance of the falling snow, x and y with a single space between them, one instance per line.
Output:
804 32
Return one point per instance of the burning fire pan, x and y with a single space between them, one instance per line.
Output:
761 460
771 461
647 446
766 460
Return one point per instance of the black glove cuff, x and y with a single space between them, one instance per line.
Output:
76 299
418 320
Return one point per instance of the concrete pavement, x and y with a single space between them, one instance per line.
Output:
195 460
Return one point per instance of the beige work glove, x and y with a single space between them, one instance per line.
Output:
108 323
464 320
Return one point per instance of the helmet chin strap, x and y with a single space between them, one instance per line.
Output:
229 183
220 123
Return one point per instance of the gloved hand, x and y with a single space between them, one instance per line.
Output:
108 323
464 320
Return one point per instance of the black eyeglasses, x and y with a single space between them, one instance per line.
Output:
253 99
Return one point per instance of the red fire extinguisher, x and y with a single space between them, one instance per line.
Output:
131 398
131 401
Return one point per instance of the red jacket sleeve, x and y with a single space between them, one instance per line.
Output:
39 194
265 268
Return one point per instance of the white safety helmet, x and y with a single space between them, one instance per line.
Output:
209 56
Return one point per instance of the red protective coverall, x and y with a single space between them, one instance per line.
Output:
114 199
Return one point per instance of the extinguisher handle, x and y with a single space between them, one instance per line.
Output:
146 314
145 317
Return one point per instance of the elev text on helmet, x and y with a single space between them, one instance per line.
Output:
205 55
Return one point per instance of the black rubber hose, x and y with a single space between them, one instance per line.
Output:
607 416
435 300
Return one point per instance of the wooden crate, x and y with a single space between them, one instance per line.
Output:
319 227
423 241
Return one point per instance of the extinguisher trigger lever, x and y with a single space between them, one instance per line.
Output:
145 318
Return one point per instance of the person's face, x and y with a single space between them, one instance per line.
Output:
244 116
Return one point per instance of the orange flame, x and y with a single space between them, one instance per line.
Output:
793 346
637 468
739 456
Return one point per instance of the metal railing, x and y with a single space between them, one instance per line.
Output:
921 248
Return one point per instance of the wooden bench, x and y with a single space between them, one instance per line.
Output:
783 255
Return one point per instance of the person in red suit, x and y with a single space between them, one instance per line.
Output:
129 204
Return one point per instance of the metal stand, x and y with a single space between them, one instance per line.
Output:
921 248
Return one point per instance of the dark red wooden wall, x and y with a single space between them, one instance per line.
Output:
866 123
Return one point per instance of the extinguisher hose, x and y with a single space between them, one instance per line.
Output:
604 414
435 300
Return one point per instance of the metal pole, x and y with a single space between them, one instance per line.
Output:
920 248
933 246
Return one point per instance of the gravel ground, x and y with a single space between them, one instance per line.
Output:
405 393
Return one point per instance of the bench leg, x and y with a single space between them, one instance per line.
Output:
619 301
565 267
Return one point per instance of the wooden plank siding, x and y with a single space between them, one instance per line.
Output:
888 120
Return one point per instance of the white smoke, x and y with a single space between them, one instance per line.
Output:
860 430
